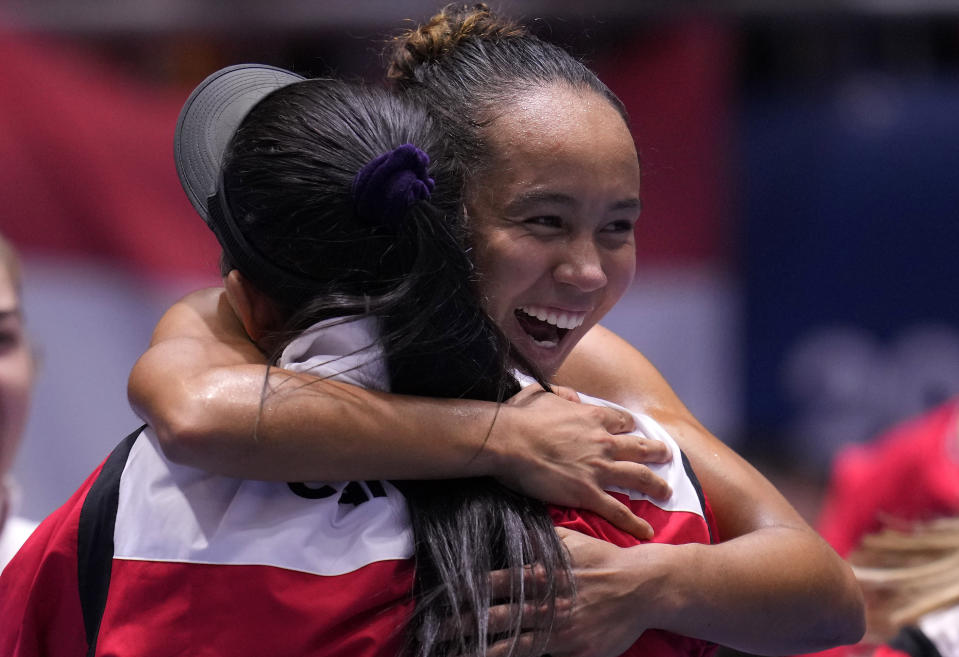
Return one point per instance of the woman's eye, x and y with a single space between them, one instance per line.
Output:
9 339
623 226
546 220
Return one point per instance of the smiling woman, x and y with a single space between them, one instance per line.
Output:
552 213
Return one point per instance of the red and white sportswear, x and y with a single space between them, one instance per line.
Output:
155 559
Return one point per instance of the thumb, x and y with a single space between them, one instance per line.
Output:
566 393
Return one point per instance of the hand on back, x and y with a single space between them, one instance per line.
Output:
567 453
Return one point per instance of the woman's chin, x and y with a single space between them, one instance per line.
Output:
547 356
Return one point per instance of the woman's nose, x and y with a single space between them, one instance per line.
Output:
582 267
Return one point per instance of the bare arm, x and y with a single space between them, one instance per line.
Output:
201 383
773 586
203 387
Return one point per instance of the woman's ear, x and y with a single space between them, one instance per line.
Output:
255 310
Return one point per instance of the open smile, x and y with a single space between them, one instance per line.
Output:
547 327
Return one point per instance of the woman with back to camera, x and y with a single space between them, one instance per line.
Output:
476 69
326 198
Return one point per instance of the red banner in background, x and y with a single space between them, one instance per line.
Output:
676 83
87 169
86 162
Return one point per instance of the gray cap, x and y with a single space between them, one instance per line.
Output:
209 118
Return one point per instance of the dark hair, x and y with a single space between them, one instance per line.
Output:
287 178
469 65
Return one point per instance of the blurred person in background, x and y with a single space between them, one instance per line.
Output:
909 573
17 369
910 473
892 508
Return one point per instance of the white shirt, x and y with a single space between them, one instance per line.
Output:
14 530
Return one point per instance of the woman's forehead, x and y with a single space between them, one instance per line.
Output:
551 120
547 109
560 137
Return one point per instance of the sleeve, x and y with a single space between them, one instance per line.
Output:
40 611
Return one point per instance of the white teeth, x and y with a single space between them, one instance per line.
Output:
549 344
563 320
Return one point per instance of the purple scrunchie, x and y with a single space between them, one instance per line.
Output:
389 184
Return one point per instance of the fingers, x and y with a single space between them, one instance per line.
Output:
499 620
503 583
640 449
524 647
528 642
564 532
619 515
524 394
616 420
637 477
566 393
531 390
501 616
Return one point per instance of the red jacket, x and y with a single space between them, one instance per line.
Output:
153 559
910 473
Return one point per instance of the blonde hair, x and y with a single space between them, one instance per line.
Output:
907 572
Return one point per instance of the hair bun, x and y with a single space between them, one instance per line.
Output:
442 34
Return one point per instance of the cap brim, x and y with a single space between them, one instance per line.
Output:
209 118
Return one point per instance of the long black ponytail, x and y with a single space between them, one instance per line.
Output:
290 180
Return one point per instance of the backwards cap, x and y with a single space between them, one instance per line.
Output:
208 120
211 115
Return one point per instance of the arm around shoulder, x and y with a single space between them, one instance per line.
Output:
772 585
207 392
